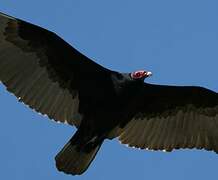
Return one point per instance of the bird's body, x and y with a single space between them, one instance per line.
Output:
53 78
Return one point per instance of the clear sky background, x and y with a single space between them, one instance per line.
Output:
176 40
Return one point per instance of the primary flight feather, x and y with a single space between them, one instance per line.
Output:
53 78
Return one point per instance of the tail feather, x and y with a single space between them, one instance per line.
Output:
74 160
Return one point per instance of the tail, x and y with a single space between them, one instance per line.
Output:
74 160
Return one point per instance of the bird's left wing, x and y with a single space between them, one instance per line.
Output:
171 117
44 71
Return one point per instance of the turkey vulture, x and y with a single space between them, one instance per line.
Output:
56 80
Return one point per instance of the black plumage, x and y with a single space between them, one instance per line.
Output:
53 78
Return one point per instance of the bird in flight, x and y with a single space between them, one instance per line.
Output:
54 79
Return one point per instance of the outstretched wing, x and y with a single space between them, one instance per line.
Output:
171 117
43 71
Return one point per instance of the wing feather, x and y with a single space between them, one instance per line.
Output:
45 72
173 117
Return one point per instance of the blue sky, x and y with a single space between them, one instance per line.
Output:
176 40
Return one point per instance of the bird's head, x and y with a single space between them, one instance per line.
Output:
140 75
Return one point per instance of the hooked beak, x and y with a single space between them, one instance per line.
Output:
148 74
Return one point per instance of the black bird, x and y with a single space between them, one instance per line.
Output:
53 78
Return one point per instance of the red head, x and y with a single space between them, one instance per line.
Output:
141 74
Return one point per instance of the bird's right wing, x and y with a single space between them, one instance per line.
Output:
172 117
45 72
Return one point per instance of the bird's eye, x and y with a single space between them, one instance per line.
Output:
138 74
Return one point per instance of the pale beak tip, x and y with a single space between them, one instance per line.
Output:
148 73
